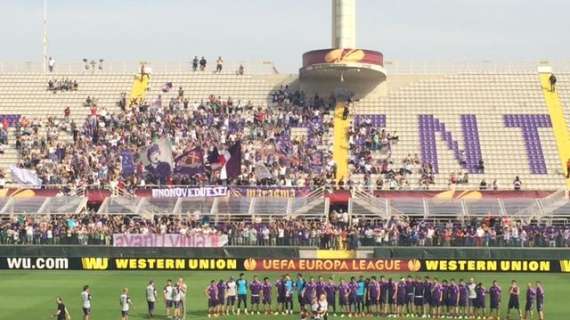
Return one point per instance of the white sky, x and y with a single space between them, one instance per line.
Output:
280 31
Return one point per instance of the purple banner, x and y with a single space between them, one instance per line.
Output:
198 240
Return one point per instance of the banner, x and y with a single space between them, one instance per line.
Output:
25 176
269 192
190 192
169 240
283 265
157 159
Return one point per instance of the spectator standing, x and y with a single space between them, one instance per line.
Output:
517 183
552 80
51 64
219 65
568 168
203 63
241 70
195 64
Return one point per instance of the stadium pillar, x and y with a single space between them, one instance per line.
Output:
343 24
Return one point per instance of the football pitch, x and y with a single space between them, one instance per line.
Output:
26 295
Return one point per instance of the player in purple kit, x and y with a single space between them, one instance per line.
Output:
495 299
480 300
391 304
221 301
514 294
428 284
383 295
452 299
540 300
309 293
212 294
373 295
401 297
320 287
255 290
530 298
352 297
419 297
266 295
463 299
280 285
410 287
330 291
443 306
436 298
343 295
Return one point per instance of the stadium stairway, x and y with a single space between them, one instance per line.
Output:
340 142
139 89
559 123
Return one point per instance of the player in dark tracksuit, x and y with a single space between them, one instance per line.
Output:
391 296
530 299
383 295
480 300
514 294
352 297
495 299
410 286
463 299
419 297
373 294
427 295
401 297
280 285
221 297
343 294
540 300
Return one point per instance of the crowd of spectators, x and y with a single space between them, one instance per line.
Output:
60 85
270 154
332 234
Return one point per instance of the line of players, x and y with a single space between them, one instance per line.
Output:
425 298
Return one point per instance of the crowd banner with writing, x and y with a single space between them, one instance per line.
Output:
198 240
269 192
282 265
190 192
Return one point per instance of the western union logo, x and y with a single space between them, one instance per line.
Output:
489 265
565 265
95 263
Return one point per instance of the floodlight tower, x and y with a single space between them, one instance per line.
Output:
343 65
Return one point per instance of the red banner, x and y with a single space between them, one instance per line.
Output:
333 265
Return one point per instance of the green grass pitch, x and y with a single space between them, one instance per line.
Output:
27 295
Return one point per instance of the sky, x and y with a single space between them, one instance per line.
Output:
281 31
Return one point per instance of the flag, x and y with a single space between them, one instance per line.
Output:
230 162
127 163
25 176
261 172
190 162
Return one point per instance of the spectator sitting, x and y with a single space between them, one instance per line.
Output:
241 70
517 183
481 166
483 185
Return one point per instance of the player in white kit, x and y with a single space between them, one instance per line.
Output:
86 302
151 298
126 304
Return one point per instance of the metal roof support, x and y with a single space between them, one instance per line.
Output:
43 206
7 206
502 211
104 206
426 208
328 206
82 205
289 206
177 205
139 206
464 212
214 208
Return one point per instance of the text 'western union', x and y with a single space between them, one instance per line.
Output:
175 264
488 265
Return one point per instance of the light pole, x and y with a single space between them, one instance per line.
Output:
45 38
